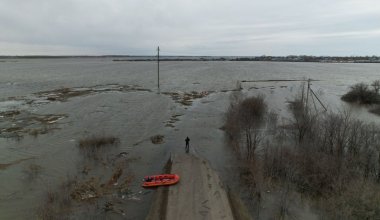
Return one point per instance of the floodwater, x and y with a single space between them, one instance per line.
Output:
134 113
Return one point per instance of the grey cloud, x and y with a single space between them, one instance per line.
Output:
223 27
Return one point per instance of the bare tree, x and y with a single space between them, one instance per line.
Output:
251 117
244 119
376 86
303 119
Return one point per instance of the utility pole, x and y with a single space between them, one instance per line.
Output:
158 68
307 93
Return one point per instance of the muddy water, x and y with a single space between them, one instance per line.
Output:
136 115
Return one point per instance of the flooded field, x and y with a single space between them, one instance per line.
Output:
49 106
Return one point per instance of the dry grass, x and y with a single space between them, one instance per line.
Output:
32 170
97 142
37 131
20 123
187 98
63 94
77 195
86 190
93 147
10 114
157 139
4 166
173 120
56 204
115 176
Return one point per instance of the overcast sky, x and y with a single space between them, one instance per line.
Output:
190 27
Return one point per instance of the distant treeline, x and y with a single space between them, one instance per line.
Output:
129 58
325 59
60 57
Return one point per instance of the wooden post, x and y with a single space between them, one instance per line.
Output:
307 93
158 68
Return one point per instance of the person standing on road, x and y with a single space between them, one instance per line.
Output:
187 140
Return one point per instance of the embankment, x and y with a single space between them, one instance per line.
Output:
200 194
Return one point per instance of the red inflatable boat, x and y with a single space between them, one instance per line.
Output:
160 180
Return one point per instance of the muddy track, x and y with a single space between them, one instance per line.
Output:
199 194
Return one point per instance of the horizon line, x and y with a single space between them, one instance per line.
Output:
115 55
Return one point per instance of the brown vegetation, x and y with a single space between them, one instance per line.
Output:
9 114
63 94
92 147
187 98
94 184
363 94
97 142
18 123
79 194
32 171
56 204
115 176
173 119
157 139
244 118
86 190
376 86
4 166
331 158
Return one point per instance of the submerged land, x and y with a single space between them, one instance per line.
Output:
78 135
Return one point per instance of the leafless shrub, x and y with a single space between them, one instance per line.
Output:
231 126
376 86
303 119
272 122
328 157
362 94
245 118
360 200
284 210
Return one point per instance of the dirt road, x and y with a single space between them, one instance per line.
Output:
199 194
